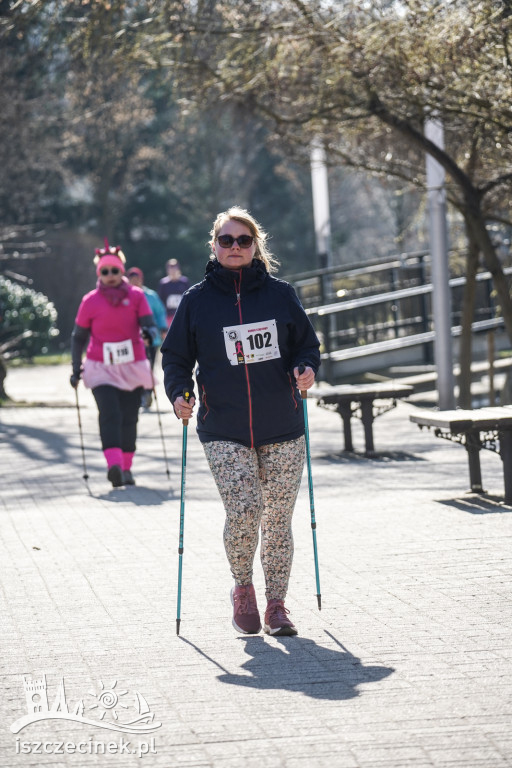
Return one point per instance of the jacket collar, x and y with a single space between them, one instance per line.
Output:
252 277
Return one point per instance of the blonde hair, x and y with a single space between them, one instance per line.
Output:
260 236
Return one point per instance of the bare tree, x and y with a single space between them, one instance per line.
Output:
365 77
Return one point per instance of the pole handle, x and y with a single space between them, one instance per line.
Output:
186 397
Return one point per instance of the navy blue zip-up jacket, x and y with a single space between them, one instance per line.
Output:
247 331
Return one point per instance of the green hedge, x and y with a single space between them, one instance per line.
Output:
27 321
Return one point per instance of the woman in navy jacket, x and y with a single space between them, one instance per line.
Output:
247 333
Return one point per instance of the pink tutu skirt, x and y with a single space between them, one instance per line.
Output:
124 376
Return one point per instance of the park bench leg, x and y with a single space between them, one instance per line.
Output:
473 448
505 437
367 419
345 411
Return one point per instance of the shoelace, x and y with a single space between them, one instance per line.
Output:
246 602
278 612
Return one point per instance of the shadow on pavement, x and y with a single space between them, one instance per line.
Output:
301 665
348 457
138 495
476 504
34 442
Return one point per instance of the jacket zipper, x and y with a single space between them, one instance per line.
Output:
238 288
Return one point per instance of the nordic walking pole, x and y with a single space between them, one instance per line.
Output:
186 396
85 475
304 396
160 425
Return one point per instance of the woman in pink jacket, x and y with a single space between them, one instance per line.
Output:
116 320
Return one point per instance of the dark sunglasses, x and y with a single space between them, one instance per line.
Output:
226 241
112 271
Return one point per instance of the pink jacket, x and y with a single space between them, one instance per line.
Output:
108 323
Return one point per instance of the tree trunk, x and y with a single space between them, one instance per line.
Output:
479 236
506 392
3 374
466 339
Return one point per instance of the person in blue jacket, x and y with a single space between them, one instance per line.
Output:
136 277
248 334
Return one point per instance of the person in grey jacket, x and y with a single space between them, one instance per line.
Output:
248 334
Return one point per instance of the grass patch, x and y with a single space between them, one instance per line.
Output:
63 358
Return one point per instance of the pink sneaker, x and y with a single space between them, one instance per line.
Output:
246 617
276 619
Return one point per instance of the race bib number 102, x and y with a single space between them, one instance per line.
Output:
251 343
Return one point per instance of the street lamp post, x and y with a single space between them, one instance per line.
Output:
441 300
322 222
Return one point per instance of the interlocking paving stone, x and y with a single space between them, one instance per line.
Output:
409 662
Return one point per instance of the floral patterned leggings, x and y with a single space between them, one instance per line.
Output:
258 487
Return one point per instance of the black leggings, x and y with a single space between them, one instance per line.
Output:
118 416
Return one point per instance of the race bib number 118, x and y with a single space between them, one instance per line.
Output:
251 343
118 352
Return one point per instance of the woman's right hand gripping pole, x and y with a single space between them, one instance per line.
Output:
183 406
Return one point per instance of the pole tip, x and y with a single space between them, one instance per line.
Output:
319 599
178 621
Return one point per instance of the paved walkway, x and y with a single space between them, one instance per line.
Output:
409 662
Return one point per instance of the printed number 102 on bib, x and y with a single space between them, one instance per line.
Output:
251 342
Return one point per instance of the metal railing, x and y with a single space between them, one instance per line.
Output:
383 320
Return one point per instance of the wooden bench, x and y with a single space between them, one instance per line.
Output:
359 400
489 428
